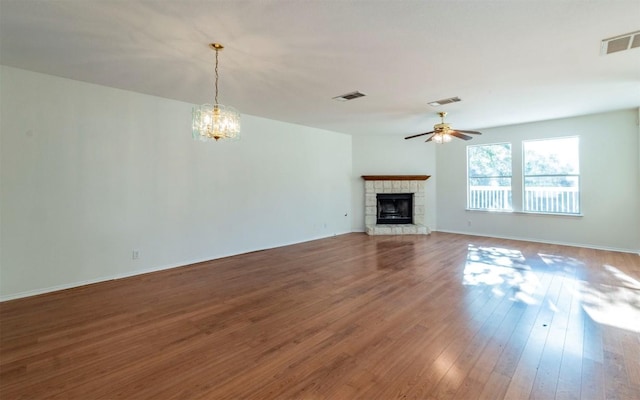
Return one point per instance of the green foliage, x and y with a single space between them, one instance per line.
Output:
551 157
541 163
492 160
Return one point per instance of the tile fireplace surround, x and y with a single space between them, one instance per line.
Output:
414 184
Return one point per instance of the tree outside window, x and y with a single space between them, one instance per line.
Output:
489 177
552 175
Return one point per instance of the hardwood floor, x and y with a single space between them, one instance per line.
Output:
443 316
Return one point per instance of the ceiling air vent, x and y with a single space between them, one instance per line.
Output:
349 96
620 43
445 101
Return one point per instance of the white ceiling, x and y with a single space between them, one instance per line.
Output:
510 61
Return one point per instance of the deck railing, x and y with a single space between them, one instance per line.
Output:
562 200
490 198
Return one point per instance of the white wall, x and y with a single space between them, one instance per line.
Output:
90 173
391 155
609 180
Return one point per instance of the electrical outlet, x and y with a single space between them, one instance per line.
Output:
468 222
135 254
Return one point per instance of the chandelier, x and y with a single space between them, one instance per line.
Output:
215 122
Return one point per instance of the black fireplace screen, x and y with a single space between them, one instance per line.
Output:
395 208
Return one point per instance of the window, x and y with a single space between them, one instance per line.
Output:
551 178
489 177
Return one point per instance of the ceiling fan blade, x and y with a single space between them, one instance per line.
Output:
419 134
460 135
428 140
471 132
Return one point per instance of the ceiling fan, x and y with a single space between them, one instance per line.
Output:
442 132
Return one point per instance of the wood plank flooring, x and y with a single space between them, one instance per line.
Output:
442 316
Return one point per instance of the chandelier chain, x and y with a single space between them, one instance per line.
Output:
216 70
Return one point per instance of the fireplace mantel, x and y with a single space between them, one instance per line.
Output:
396 177
391 184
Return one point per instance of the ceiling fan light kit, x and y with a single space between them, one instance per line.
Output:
442 132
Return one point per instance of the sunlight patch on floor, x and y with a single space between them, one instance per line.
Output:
613 302
616 304
504 269
567 264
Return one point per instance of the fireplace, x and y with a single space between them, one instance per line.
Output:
395 205
394 208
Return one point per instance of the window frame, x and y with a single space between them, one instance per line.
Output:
577 175
510 177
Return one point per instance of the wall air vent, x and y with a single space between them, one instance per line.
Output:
615 44
349 96
445 101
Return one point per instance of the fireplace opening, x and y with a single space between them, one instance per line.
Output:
395 208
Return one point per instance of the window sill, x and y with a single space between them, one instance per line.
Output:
524 212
